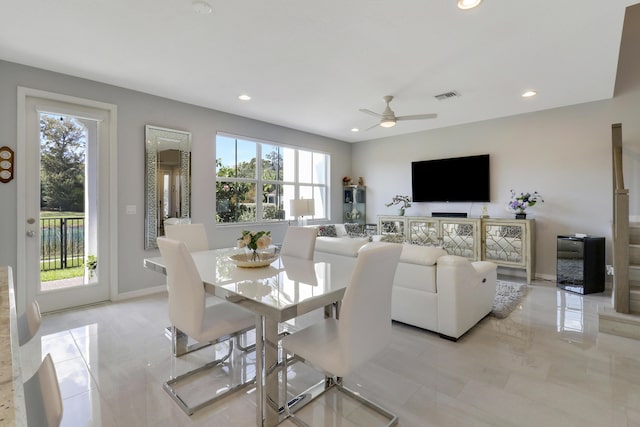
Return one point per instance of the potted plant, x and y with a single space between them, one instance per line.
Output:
519 203
91 264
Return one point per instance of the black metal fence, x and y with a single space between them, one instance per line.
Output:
61 243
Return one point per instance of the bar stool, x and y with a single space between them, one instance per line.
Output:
42 396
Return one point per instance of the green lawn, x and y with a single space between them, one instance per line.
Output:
56 214
67 273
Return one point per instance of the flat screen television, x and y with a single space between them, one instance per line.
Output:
459 179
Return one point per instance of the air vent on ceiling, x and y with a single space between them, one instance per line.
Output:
447 95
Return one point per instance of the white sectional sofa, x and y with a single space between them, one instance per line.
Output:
342 244
442 293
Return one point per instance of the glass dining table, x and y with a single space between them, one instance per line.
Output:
283 290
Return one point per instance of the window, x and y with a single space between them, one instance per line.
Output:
248 190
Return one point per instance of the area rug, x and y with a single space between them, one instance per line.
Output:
508 295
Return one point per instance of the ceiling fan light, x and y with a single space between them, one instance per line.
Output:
468 4
386 123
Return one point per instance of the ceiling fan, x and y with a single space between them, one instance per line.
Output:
388 118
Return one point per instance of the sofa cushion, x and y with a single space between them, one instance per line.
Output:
340 230
422 255
355 230
416 276
340 246
327 231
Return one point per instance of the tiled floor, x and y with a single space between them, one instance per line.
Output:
544 365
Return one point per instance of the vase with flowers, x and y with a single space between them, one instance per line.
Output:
255 241
519 203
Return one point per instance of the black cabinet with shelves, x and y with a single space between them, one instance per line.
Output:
580 264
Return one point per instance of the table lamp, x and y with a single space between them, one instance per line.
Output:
301 208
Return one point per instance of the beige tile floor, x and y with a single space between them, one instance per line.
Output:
544 365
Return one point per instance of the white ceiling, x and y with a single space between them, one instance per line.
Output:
313 65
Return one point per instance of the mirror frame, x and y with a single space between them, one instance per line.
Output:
156 139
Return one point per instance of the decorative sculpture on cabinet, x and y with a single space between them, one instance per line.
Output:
405 200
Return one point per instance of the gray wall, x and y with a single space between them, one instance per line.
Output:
564 153
136 109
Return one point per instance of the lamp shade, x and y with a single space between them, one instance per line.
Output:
302 207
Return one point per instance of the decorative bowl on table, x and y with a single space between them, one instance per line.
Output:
250 260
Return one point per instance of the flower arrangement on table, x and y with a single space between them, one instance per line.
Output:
255 240
520 202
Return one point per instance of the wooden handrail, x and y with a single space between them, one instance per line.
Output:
620 226
616 139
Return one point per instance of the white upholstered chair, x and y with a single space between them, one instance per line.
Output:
299 242
29 323
363 329
42 396
188 313
194 236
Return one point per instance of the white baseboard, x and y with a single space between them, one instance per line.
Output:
549 277
634 218
140 293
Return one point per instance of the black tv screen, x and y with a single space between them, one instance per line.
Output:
460 179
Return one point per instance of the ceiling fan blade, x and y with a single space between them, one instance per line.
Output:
371 127
372 113
417 117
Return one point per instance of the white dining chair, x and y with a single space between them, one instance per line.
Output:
338 346
29 323
176 220
188 313
194 236
299 242
42 396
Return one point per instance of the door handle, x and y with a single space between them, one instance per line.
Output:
31 233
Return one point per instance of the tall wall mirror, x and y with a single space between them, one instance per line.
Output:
167 180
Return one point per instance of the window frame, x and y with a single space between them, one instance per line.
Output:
259 182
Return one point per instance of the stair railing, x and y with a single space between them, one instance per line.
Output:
621 294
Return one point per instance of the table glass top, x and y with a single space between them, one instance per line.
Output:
288 282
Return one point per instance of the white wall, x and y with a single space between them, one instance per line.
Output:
135 109
564 153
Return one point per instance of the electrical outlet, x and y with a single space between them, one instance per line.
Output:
609 270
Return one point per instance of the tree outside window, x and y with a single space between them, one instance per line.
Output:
62 171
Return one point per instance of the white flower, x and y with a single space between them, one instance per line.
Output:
263 242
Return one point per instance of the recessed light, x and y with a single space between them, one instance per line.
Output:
355 130
468 4
244 97
201 7
529 94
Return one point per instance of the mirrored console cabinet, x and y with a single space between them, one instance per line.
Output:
506 242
